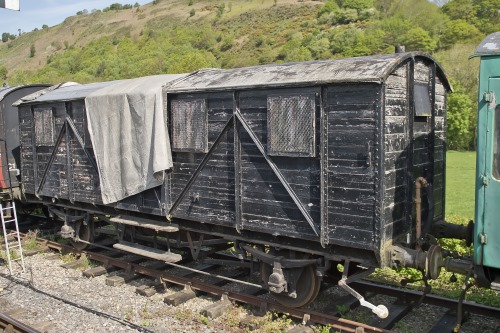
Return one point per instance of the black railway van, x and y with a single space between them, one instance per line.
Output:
317 157
324 151
9 138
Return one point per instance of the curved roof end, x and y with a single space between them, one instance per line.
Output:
489 46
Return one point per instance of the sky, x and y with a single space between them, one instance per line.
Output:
35 13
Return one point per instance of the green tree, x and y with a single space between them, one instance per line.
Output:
116 6
298 54
353 43
460 9
420 13
488 15
384 7
189 60
459 113
345 16
293 50
418 39
330 6
320 47
459 31
463 70
5 37
357 4
484 14
32 50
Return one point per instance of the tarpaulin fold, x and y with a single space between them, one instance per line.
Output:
128 127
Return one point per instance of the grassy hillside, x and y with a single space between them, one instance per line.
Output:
78 31
233 33
178 36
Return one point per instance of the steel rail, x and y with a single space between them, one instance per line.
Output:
307 315
319 318
10 324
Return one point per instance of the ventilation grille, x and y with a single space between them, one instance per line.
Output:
290 125
44 127
189 126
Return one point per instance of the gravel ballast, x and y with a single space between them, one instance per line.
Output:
63 300
73 303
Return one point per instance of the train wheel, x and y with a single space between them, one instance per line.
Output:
84 233
308 287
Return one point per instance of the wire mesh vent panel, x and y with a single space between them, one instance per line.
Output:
189 126
44 127
290 125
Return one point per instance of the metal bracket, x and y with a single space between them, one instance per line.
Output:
195 249
483 238
488 96
484 180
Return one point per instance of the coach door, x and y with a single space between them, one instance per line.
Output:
490 234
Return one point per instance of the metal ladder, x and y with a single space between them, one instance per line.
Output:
5 207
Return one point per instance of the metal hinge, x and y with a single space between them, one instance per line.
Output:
484 180
488 96
483 239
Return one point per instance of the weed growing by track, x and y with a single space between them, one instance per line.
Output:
84 263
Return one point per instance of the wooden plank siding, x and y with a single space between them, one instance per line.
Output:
266 205
414 147
396 207
27 140
56 183
352 201
429 140
83 184
86 184
439 149
211 198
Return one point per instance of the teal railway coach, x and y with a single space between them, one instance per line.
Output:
487 216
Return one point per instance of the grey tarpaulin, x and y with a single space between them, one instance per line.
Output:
128 129
36 95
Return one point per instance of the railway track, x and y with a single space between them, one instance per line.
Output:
252 293
196 285
11 325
